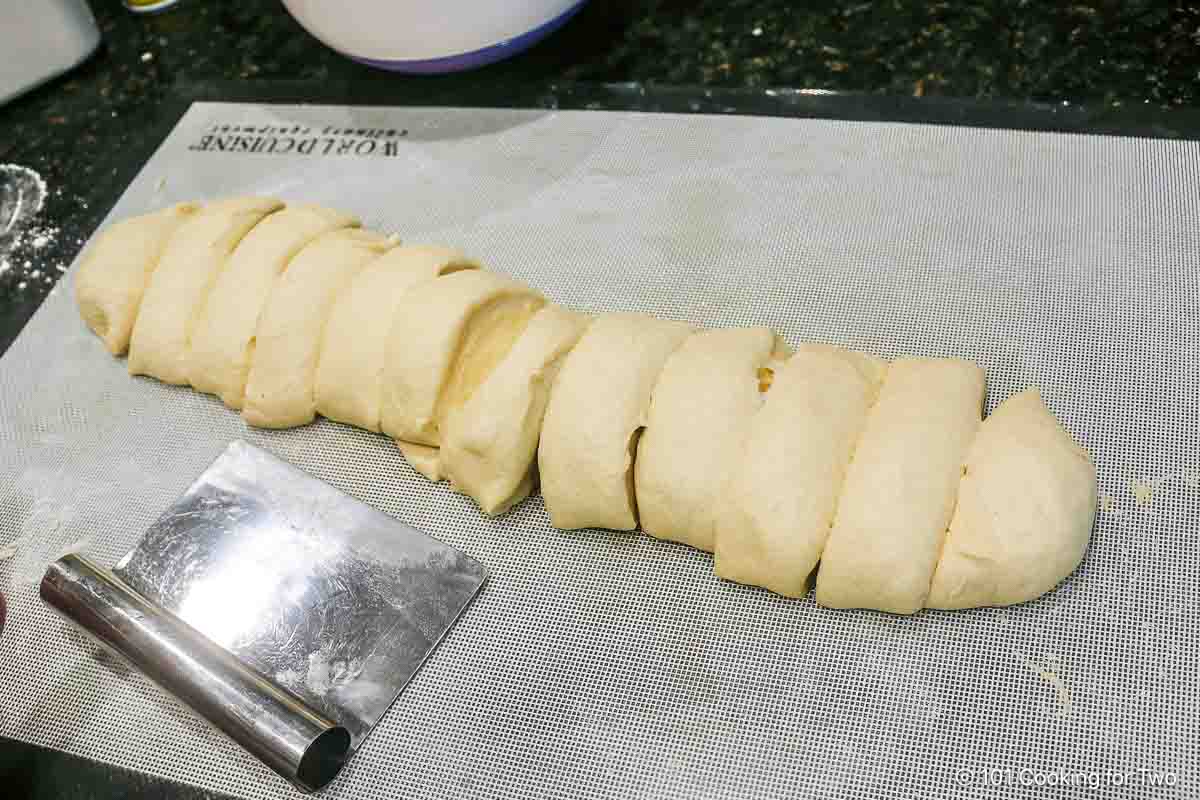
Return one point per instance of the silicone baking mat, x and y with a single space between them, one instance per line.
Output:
597 664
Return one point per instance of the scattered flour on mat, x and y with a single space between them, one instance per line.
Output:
1146 490
52 527
1143 491
1049 672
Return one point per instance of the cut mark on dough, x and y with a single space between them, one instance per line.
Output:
630 486
766 376
1062 693
837 508
457 265
96 319
945 538
489 334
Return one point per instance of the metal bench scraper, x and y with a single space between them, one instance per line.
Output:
283 611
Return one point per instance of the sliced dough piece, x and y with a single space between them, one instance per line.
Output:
446 337
1026 505
279 389
700 413
489 443
223 341
116 268
776 511
193 257
596 411
423 458
901 486
350 377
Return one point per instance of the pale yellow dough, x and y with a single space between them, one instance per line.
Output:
279 389
489 444
700 413
423 458
350 377
447 336
596 410
774 516
1025 510
879 479
223 341
901 486
116 268
178 289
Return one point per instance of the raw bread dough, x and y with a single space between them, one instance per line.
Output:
1025 510
223 341
116 268
741 452
700 413
596 411
178 289
423 458
775 513
279 390
350 377
489 443
446 337
901 486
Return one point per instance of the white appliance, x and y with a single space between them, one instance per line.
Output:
42 39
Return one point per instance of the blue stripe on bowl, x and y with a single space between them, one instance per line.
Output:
475 58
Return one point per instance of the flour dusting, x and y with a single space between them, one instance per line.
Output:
1049 672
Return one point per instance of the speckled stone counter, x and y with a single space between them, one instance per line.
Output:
1110 54
86 133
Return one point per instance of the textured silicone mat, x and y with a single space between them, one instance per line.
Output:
606 665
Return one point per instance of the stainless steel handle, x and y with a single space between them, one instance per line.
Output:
272 724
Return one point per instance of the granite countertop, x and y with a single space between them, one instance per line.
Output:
1112 54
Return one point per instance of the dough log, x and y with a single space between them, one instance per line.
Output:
223 341
881 477
901 486
279 388
350 376
116 268
596 411
178 289
700 411
774 517
1026 505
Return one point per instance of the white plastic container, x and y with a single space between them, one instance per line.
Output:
421 36
41 40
